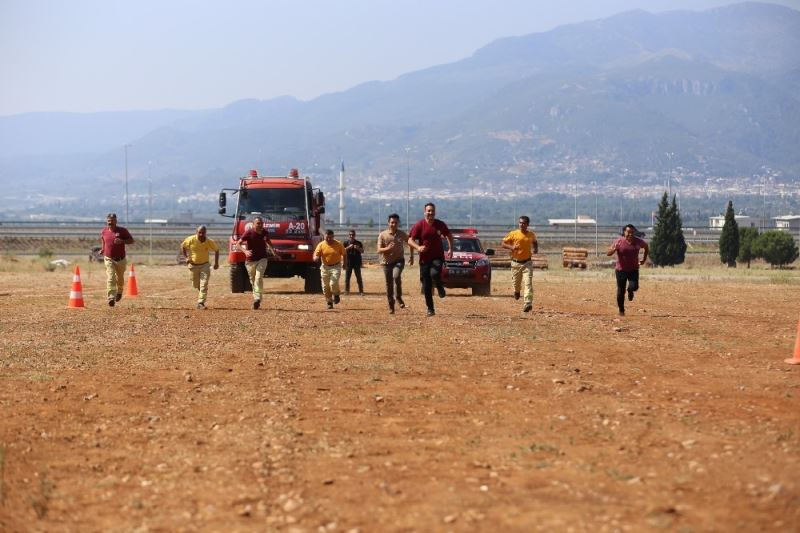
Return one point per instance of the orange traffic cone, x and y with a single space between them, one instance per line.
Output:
76 294
133 290
795 360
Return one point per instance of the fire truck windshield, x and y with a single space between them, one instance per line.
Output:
278 205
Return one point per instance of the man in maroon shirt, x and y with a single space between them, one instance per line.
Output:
426 238
113 239
257 246
627 268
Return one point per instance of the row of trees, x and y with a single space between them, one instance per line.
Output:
668 245
745 244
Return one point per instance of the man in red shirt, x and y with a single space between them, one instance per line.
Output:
257 246
627 268
426 238
113 239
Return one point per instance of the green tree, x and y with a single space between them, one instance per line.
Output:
777 248
747 244
668 245
658 244
729 240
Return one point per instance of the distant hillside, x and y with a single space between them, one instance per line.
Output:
78 133
717 90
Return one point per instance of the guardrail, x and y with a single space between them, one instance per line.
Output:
72 238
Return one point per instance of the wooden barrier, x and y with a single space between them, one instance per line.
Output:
539 261
574 257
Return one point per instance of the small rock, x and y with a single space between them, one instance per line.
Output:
246 510
292 505
449 519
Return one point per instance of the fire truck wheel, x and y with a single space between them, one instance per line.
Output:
240 280
313 283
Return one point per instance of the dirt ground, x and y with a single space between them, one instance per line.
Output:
155 416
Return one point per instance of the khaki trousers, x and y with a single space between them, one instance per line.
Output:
200 275
523 273
115 272
256 269
330 280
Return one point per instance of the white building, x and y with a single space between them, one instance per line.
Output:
582 221
787 222
743 221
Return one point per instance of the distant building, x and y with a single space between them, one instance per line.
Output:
787 222
582 221
743 221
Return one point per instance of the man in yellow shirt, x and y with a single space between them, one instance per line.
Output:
194 250
332 255
523 244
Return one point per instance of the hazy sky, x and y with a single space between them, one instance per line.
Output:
110 55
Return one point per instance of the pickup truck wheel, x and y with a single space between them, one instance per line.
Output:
482 290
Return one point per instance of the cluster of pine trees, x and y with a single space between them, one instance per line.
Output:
745 244
668 245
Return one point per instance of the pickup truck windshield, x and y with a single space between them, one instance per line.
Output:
277 205
463 245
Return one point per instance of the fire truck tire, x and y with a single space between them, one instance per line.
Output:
240 280
313 283
482 290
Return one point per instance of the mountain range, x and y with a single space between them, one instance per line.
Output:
713 93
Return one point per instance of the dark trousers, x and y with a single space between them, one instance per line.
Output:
430 274
350 269
632 280
392 273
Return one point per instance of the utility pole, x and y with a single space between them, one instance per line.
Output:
127 210
576 214
341 195
471 194
150 207
596 248
408 187
670 155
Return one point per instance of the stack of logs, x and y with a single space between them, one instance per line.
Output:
574 257
539 261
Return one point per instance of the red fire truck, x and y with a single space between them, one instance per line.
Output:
292 210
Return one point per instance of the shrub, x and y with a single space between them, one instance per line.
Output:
776 248
747 244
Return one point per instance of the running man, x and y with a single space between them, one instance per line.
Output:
113 240
391 251
195 251
523 244
627 268
257 246
331 253
426 238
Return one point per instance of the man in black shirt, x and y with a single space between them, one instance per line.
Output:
354 249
